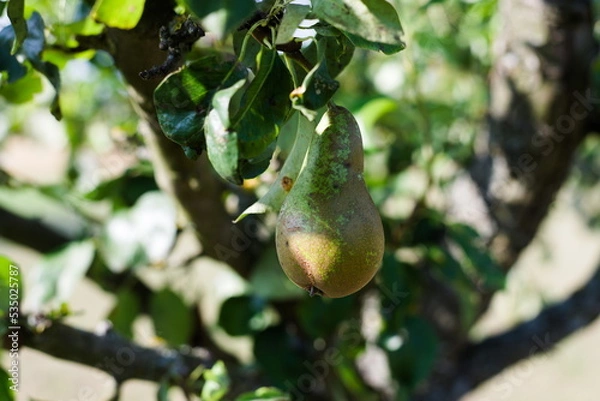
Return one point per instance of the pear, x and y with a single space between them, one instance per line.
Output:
329 235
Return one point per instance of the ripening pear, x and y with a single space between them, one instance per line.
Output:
329 234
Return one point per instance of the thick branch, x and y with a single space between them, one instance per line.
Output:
30 232
193 183
541 105
482 361
113 354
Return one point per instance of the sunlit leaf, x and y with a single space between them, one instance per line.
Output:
55 277
122 14
294 15
372 24
143 234
231 13
221 142
15 11
216 383
265 394
183 99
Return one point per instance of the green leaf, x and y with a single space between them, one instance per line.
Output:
127 188
23 90
143 234
182 99
122 14
316 90
264 393
319 316
276 194
216 382
171 316
480 262
411 350
333 47
32 48
6 392
162 393
371 24
231 13
55 277
8 61
294 15
264 105
15 11
221 143
280 354
243 315
122 316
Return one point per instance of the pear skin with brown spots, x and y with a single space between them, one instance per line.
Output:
329 234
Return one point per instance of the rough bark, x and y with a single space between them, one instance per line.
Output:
111 353
195 186
480 362
540 109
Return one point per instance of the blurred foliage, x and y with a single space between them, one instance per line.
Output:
420 111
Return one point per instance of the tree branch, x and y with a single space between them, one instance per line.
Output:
193 184
111 353
480 362
541 103
32 233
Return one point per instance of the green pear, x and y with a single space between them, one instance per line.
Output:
329 234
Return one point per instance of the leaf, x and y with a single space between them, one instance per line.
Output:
480 261
15 11
371 24
162 393
232 13
264 105
122 14
23 90
8 61
279 354
275 196
316 90
216 382
55 277
32 48
123 315
294 15
319 316
183 99
6 393
172 318
264 393
411 350
127 188
221 143
143 234
335 48
242 315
